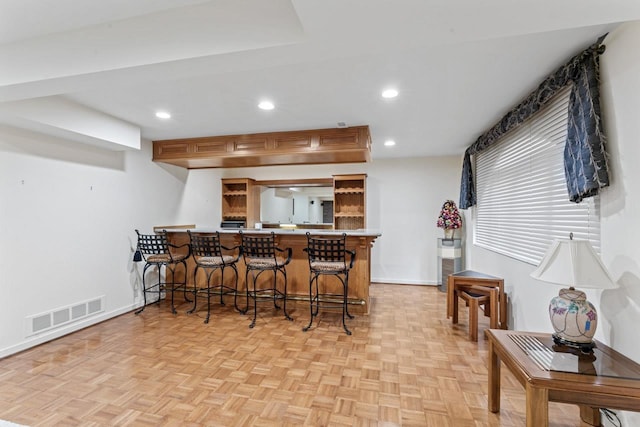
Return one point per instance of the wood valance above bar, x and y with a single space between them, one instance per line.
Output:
318 146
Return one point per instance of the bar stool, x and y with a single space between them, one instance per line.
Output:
328 257
261 254
156 252
207 252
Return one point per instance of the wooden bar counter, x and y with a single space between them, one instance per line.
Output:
361 241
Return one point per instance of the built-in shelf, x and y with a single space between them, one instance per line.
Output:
349 204
349 191
240 201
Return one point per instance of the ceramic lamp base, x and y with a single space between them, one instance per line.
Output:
574 319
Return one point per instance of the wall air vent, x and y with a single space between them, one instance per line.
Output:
63 316
40 323
60 317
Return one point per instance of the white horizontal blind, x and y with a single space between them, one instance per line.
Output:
522 199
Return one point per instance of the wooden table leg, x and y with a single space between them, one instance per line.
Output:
454 310
537 406
493 308
449 296
473 319
590 415
494 379
503 309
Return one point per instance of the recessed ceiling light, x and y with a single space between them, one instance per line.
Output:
389 93
163 115
389 143
266 105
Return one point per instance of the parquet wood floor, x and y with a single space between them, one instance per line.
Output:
404 365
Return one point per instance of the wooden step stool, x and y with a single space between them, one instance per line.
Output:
474 297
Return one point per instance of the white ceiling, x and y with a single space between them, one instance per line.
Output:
459 65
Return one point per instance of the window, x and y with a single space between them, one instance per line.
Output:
522 199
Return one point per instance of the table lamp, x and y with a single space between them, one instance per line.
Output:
570 262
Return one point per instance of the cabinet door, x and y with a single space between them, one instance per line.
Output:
211 147
338 139
254 144
292 142
169 149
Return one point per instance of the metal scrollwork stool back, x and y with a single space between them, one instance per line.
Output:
157 252
210 256
328 257
261 254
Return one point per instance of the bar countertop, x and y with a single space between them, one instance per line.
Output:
279 231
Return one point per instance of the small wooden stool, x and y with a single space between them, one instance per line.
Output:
474 297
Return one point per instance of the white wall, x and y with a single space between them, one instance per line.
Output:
301 208
620 88
404 197
315 210
274 208
620 217
67 217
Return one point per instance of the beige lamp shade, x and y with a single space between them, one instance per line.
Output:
575 263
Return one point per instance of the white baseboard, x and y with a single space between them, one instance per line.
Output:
64 330
402 282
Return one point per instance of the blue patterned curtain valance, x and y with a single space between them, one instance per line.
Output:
586 168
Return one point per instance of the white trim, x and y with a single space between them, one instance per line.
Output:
65 330
403 282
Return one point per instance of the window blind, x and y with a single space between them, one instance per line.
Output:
522 199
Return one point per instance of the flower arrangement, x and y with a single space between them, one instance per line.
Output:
449 216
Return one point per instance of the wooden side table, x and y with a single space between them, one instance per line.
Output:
471 278
603 379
